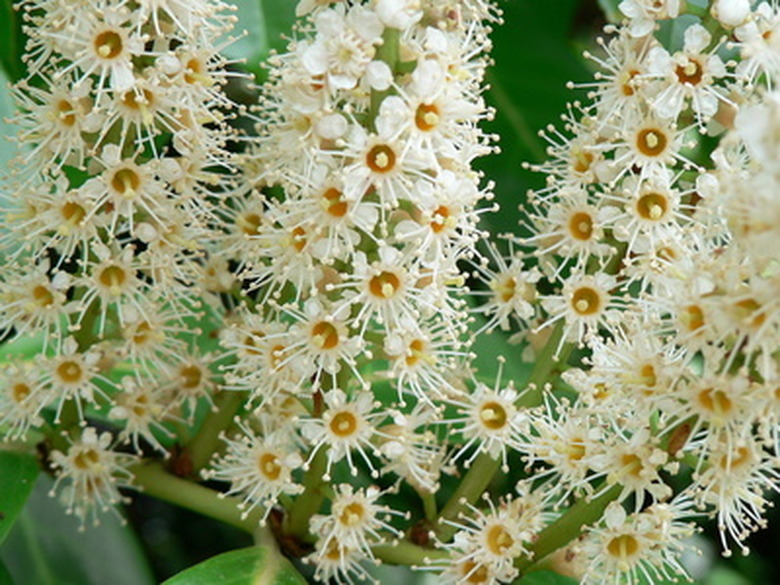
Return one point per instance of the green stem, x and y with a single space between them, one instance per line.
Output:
473 485
388 52
156 482
708 21
83 335
404 552
55 437
700 11
429 505
206 442
546 362
568 527
485 467
310 501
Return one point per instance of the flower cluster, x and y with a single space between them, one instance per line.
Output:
369 125
359 201
336 242
657 255
122 132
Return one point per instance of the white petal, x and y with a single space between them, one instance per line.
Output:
697 38
378 75
332 126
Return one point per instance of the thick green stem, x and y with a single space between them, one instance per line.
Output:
406 553
474 483
86 328
206 442
156 482
700 11
388 52
485 467
547 361
567 527
310 501
429 505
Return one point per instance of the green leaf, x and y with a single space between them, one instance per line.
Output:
611 11
248 566
12 41
46 547
22 348
722 575
17 477
7 109
279 18
488 347
546 578
5 576
534 59
265 21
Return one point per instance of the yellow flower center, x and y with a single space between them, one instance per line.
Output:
381 158
108 44
343 424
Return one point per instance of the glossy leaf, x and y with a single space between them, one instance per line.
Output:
12 41
534 58
248 566
611 11
5 576
46 547
488 347
265 21
17 477
7 107
22 348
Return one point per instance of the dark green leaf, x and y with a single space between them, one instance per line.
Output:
265 21
611 11
11 41
488 347
722 575
7 148
534 57
248 566
279 17
5 576
17 477
546 578
23 348
46 547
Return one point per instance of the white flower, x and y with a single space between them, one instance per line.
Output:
142 407
758 43
104 43
628 549
737 480
90 474
400 14
423 354
512 290
586 303
344 46
644 13
490 420
688 75
356 520
731 13
259 469
22 397
345 426
412 451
